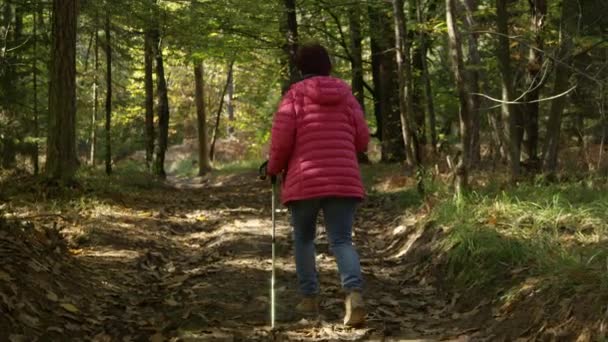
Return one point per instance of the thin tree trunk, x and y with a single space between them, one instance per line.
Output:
230 102
108 96
455 44
376 59
62 161
404 71
290 29
508 110
354 20
35 80
163 108
8 78
562 76
204 164
356 52
149 103
428 89
219 113
474 59
95 98
538 9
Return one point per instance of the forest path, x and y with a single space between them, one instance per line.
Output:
191 261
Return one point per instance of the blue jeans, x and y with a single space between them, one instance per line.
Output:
339 214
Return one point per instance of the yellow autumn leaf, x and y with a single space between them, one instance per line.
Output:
70 307
75 251
52 296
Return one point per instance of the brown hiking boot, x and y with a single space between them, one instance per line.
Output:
308 305
355 310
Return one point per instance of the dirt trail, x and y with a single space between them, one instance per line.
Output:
192 262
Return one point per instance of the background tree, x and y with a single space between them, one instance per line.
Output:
509 112
463 96
61 157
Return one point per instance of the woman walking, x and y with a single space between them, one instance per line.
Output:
317 132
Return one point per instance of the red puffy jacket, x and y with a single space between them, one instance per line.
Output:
316 134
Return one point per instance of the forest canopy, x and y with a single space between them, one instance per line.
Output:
516 82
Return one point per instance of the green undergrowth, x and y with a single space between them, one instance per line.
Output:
556 233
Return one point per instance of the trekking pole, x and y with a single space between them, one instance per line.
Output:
273 181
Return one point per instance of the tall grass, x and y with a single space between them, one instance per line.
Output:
556 231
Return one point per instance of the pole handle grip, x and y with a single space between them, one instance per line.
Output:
263 173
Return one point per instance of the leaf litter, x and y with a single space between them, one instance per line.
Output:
168 264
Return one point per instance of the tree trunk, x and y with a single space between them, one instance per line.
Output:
62 161
35 81
458 69
204 164
376 59
354 20
418 116
108 96
406 101
149 103
508 110
562 76
538 9
9 79
219 112
428 89
356 52
230 102
93 137
385 82
290 29
474 59
163 108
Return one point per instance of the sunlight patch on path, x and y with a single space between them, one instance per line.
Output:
124 255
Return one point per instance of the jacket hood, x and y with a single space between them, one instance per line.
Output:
324 90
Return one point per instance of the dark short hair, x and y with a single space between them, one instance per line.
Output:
313 59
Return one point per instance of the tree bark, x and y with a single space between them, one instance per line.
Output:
149 102
354 20
35 84
562 76
163 108
385 82
508 111
62 161
474 59
376 60
204 164
290 29
455 47
356 53
108 158
538 9
219 112
406 101
93 137
230 102
428 89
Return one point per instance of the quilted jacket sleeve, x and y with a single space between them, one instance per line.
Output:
283 135
361 128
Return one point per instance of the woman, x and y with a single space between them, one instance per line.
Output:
317 132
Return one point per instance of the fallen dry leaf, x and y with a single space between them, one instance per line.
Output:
70 307
50 295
